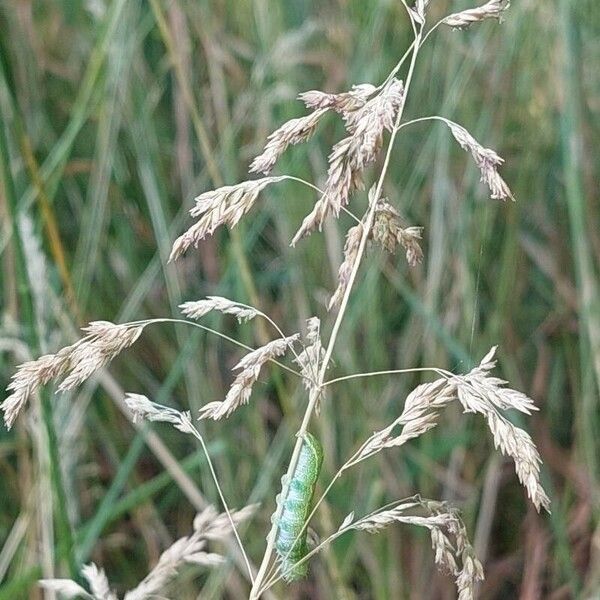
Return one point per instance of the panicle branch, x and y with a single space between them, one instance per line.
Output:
453 551
223 206
490 10
199 308
74 364
478 392
486 160
350 156
249 367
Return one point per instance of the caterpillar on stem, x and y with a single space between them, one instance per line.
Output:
291 534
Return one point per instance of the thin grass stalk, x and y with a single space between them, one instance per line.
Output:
52 168
587 282
316 392
31 335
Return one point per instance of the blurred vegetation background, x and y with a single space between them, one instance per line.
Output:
115 114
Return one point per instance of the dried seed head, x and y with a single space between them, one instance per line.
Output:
388 233
214 526
98 582
409 240
452 550
515 442
351 155
199 308
208 525
486 160
309 360
377 114
103 341
351 248
250 367
479 392
385 226
223 206
420 414
343 103
144 409
491 10
418 12
292 132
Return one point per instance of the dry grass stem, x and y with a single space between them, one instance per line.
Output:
250 367
491 10
74 364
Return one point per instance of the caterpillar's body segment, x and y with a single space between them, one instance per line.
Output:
291 539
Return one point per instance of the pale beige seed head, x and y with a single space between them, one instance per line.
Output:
198 308
223 206
76 363
208 525
343 103
388 232
486 160
290 133
249 367
490 10
351 155
351 248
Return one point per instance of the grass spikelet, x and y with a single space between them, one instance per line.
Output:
290 133
223 206
199 308
490 10
487 162
249 367
76 363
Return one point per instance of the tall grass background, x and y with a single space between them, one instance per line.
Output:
114 115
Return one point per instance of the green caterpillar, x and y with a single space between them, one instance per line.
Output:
291 540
